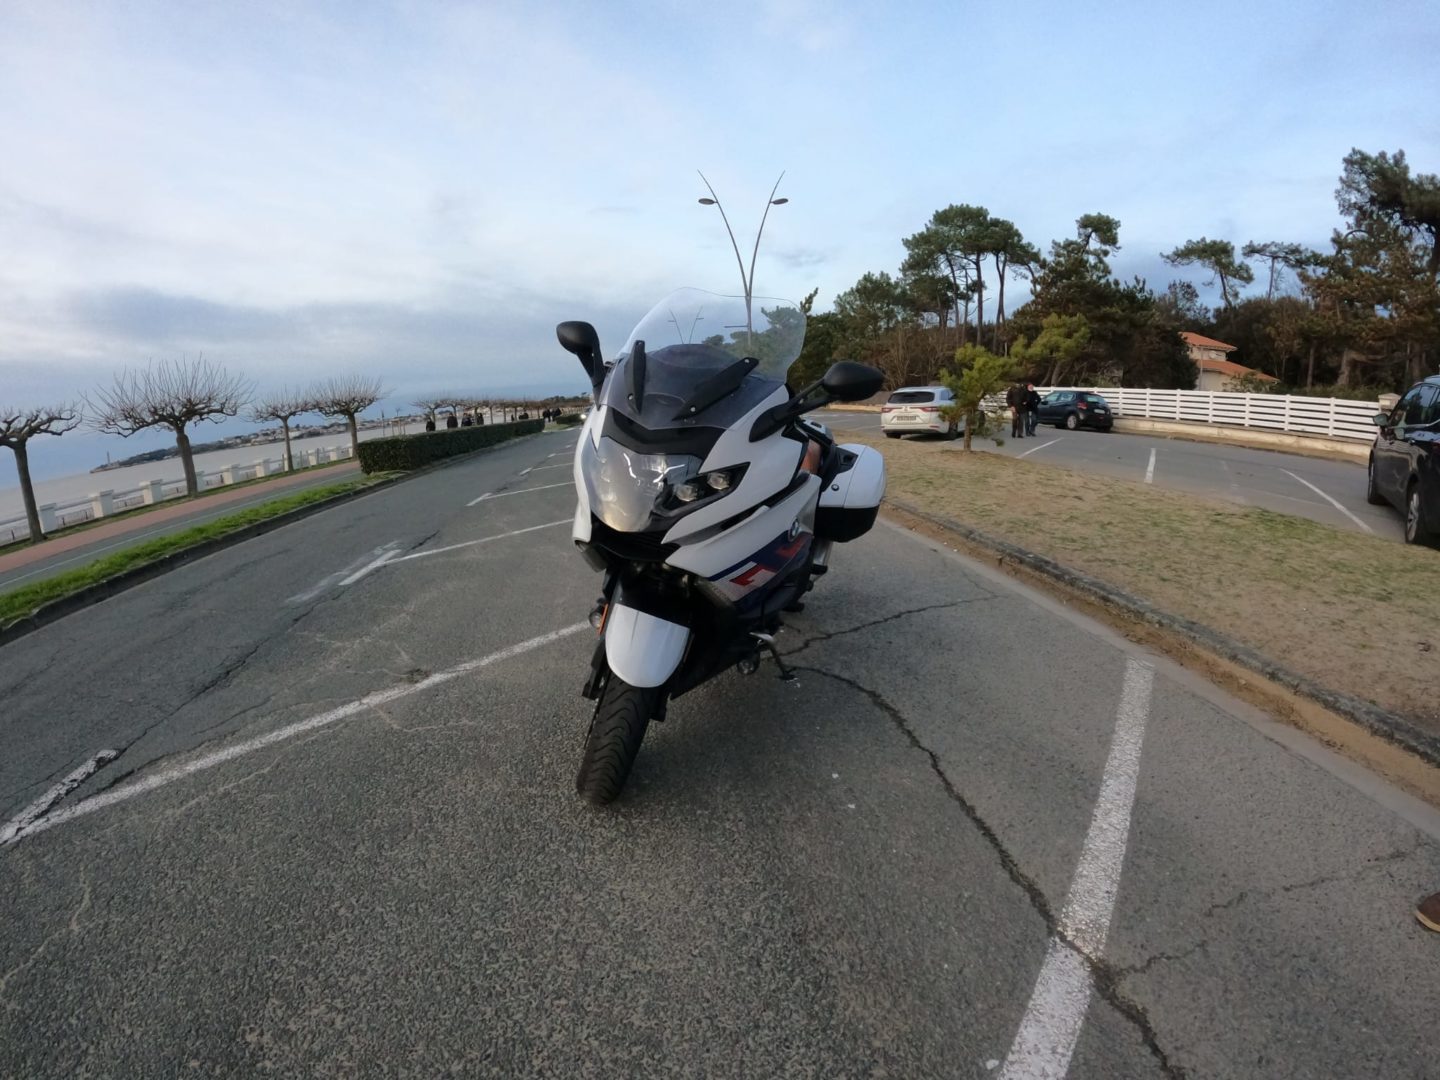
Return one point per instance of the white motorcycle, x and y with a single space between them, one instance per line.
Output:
707 501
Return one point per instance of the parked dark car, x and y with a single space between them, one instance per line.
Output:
1076 409
1405 461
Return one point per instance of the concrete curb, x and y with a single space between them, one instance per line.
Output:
138 575
1387 725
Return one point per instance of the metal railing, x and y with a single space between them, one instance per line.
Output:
102 504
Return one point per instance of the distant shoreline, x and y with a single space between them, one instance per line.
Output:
266 438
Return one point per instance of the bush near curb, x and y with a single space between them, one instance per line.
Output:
570 419
413 451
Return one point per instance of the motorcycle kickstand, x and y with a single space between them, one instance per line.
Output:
767 641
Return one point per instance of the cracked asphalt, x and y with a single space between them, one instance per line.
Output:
857 875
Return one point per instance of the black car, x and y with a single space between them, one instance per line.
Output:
1405 461
1075 409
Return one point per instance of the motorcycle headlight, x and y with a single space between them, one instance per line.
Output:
626 486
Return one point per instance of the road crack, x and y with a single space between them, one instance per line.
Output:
1105 977
823 636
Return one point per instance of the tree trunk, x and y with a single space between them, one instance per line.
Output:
1224 289
999 301
187 460
1310 371
969 426
979 301
354 437
27 491
289 461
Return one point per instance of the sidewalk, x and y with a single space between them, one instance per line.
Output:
175 513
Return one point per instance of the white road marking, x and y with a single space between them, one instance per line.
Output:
330 580
524 472
1042 446
374 564
559 465
523 491
37 809
289 731
482 540
1328 499
1051 1026
1150 469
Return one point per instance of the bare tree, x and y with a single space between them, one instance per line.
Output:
283 407
17 427
347 396
173 394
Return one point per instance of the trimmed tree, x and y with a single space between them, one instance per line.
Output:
17 428
347 396
173 394
1218 256
282 407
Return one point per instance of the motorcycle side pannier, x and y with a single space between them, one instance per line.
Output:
851 501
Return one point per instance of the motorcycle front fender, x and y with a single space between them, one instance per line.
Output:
643 649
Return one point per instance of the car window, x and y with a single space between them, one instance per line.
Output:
1050 398
1429 411
1408 407
1066 396
911 397
1097 399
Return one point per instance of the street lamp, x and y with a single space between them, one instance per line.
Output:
746 280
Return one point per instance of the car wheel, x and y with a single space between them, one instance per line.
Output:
1072 422
1415 532
892 434
954 430
1372 490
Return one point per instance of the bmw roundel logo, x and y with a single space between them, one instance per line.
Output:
794 528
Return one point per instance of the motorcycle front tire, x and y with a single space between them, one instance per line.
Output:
621 717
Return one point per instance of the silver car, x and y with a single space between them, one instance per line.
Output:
916 410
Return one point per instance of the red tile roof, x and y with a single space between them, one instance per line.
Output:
1204 342
1226 367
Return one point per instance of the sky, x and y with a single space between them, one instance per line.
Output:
420 191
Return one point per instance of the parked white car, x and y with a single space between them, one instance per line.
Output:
915 410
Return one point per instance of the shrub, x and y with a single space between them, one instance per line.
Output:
413 451
569 419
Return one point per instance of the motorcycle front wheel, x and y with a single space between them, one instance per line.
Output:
621 717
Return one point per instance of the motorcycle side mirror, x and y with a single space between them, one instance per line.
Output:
845 381
1380 419
849 381
581 339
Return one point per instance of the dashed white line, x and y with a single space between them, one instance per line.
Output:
330 580
1051 1025
1328 499
289 731
523 491
559 465
482 540
37 809
1150 469
1042 446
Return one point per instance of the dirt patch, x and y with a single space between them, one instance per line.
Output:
1352 612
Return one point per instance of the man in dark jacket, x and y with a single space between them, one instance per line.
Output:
1015 399
1032 408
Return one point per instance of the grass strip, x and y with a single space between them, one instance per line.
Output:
18 603
1353 612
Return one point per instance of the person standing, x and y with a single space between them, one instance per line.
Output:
1015 399
1032 408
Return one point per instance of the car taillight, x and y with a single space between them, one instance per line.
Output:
887 408
1081 405
929 408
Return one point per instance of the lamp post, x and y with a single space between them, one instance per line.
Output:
746 280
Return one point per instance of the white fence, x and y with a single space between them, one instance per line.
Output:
103 504
1335 418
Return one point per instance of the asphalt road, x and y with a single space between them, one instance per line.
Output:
202 511
1331 492
982 835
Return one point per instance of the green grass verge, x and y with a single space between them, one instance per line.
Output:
26 600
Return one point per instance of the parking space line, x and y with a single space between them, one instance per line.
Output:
1042 446
41 806
289 731
482 540
1053 1019
557 465
523 491
1150 469
1328 499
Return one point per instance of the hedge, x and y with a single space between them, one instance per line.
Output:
568 419
412 451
